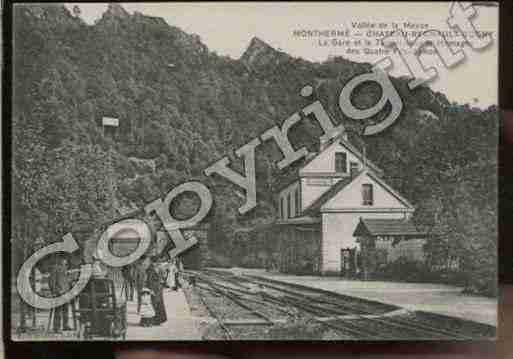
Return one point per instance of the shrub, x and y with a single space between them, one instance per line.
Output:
404 269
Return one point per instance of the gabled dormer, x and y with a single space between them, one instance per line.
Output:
336 160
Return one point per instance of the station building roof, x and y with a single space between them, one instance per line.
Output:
386 227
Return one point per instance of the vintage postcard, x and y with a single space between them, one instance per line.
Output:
253 171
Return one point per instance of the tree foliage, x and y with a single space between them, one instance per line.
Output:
186 106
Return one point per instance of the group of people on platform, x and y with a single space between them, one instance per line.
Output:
147 279
143 281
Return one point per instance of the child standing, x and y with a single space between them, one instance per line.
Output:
147 311
171 275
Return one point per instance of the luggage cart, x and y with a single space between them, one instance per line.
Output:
97 313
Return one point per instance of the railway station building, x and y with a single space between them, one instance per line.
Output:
338 216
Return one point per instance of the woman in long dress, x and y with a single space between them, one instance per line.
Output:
141 278
154 283
171 275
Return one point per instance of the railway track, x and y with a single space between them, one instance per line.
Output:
262 302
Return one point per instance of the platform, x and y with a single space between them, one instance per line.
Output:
435 298
179 326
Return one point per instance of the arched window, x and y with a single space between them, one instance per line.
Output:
289 212
297 203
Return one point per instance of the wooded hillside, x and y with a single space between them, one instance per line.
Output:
184 106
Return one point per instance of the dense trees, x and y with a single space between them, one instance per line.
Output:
185 106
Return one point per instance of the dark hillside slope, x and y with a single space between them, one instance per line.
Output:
185 106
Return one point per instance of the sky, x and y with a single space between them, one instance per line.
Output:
227 29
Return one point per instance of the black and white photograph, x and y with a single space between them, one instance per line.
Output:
254 171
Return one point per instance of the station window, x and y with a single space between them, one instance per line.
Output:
340 162
297 203
367 194
289 212
353 168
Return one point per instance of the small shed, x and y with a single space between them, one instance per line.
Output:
385 240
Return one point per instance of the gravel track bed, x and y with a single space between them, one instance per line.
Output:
301 324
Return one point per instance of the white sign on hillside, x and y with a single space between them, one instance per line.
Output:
110 121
